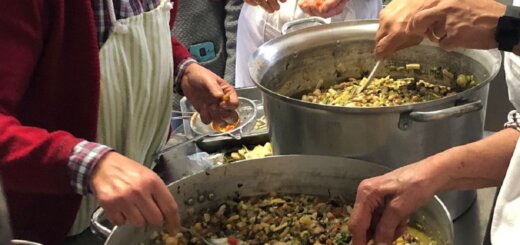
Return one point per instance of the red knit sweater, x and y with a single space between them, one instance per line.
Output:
49 93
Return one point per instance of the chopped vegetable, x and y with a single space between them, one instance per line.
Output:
387 91
280 220
413 66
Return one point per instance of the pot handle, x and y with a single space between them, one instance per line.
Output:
455 111
293 23
96 226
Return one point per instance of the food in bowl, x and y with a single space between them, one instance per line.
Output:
225 128
278 220
388 91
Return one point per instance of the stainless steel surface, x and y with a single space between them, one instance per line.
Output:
313 175
96 226
392 136
455 111
370 77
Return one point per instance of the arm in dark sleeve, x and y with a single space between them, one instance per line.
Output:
180 53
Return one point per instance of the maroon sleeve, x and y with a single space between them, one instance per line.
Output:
180 53
32 160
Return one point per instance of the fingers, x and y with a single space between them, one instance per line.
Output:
229 116
133 215
359 222
326 9
273 4
332 7
151 212
393 216
251 2
168 207
333 12
362 213
392 43
216 116
232 102
205 115
268 5
401 229
448 43
425 21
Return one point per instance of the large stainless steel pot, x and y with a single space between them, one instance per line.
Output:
314 175
393 136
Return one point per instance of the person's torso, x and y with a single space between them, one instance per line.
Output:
506 217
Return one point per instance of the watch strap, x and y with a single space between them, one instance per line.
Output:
508 29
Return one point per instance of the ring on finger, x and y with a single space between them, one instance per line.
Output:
434 35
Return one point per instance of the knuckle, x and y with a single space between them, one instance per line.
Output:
367 187
397 209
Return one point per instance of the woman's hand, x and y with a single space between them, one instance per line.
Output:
322 8
451 23
205 91
131 193
268 5
458 23
392 34
384 203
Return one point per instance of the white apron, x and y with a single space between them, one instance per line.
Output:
506 218
136 90
256 26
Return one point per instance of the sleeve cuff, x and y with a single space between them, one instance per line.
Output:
177 88
81 163
513 120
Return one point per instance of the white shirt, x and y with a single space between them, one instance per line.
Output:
506 219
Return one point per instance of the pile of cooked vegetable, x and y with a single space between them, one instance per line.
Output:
259 151
279 220
387 91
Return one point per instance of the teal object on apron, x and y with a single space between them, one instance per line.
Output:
136 91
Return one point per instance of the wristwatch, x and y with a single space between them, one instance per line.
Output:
508 29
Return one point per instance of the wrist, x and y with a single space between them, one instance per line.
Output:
181 74
440 170
97 168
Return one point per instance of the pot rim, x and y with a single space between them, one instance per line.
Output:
367 24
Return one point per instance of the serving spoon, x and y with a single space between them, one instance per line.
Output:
370 78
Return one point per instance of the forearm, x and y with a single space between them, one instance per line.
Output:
476 165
